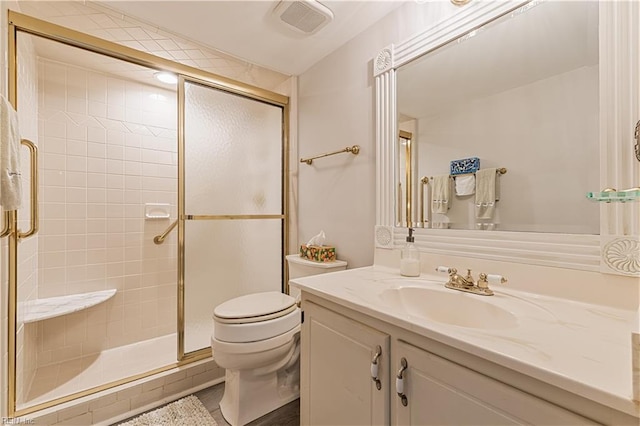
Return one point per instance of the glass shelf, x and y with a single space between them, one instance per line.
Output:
614 196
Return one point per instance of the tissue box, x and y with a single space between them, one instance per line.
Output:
318 253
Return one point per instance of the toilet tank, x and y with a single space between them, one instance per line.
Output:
299 267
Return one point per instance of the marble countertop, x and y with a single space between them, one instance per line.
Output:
41 309
583 348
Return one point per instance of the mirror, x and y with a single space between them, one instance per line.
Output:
519 93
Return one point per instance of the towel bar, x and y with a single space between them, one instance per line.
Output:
424 180
159 239
352 149
501 170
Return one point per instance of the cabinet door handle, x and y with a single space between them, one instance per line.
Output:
400 382
374 367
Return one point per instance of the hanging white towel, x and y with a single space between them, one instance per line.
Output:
440 193
10 179
465 185
485 193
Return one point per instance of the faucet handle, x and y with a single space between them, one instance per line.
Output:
446 269
485 279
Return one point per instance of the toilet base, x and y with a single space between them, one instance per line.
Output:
248 396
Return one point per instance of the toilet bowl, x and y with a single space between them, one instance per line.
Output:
256 339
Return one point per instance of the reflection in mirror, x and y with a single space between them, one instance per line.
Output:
404 179
520 93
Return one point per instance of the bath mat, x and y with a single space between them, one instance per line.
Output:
187 411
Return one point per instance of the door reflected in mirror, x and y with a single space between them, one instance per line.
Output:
520 93
404 189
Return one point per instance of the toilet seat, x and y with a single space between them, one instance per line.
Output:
254 307
255 317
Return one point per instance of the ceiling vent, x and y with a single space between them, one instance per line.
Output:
304 16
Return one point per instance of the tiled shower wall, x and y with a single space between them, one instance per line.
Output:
108 147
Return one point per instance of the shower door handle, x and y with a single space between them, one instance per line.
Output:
33 151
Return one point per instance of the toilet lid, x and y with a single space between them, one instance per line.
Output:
255 307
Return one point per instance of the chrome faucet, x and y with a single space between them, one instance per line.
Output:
468 284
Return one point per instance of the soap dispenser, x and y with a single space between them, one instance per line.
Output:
410 258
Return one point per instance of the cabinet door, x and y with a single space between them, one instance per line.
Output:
440 392
336 386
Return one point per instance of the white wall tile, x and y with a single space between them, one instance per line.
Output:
77 147
115 112
77 132
115 166
97 109
76 242
53 161
97 195
55 130
96 226
76 105
76 163
76 226
96 271
115 181
115 152
76 211
76 179
97 165
97 134
96 240
96 150
54 145
76 195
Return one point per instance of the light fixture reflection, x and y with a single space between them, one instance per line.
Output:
166 77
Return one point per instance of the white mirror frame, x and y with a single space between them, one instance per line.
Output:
617 249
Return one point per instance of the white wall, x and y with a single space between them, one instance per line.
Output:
336 109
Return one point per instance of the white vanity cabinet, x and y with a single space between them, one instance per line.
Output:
337 388
336 366
440 392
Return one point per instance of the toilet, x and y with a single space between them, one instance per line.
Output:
256 339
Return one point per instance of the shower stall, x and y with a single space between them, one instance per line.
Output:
146 204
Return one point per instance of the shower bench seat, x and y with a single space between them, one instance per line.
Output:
41 309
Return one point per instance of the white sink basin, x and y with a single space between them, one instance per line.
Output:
450 307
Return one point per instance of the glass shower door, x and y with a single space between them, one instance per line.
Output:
91 286
233 209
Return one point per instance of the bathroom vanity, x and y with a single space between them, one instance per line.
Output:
378 348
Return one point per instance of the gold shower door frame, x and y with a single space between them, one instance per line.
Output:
22 23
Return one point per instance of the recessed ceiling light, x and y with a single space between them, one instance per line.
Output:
166 77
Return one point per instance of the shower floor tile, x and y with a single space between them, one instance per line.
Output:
58 380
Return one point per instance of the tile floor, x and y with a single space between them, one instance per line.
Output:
289 415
